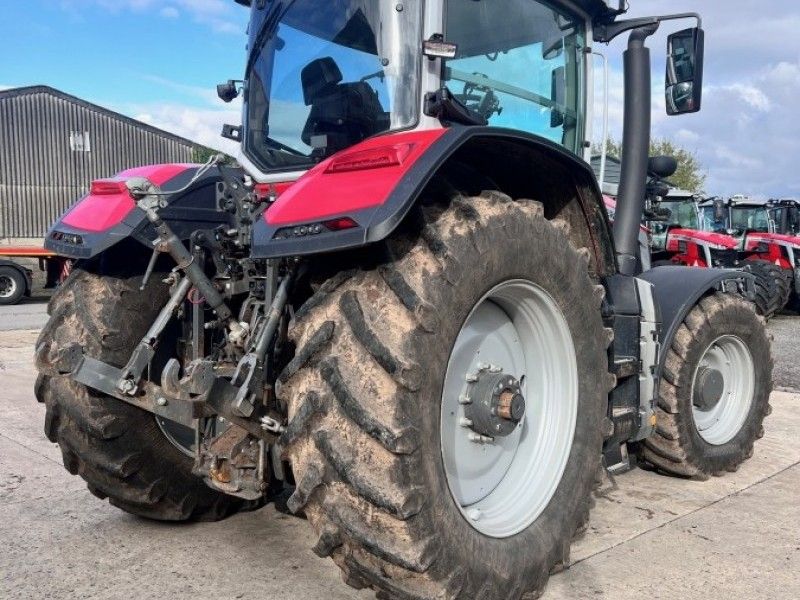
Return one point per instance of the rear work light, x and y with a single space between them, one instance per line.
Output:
374 158
108 187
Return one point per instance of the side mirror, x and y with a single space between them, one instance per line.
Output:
227 91
684 80
558 94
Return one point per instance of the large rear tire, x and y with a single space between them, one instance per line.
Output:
714 391
117 448
367 412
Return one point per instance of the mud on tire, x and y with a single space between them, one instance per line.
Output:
118 449
677 447
364 392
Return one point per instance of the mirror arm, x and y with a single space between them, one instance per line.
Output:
605 32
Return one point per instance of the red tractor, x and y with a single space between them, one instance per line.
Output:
684 231
407 312
766 230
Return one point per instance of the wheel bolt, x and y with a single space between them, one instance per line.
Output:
465 422
475 514
464 399
471 378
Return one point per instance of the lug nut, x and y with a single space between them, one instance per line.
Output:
465 422
161 401
471 378
464 399
474 514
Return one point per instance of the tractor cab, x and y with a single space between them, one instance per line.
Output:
785 213
676 210
321 78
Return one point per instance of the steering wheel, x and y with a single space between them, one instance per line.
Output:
480 99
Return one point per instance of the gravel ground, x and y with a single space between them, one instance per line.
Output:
786 332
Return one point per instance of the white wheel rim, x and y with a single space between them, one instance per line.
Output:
8 286
730 356
503 487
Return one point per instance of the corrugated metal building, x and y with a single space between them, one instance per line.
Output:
611 178
52 145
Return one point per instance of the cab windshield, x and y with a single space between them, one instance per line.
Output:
323 76
681 212
750 218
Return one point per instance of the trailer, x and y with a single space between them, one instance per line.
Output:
16 280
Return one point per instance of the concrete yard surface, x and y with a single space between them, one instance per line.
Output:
650 536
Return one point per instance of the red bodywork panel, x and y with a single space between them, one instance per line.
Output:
693 240
355 179
99 212
716 241
775 242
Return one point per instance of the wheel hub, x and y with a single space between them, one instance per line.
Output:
495 403
708 388
7 286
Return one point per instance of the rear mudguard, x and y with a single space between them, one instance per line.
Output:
97 222
678 289
372 186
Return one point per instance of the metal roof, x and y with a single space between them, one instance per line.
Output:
46 89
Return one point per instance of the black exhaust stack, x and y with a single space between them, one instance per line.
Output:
635 149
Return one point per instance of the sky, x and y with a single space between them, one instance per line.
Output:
159 61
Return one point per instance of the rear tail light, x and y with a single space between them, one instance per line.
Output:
108 187
340 224
374 158
298 231
271 191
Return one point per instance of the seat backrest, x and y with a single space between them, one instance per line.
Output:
319 78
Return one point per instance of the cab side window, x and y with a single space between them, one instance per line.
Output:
519 65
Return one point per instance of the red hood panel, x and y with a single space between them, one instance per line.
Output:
98 213
328 190
723 242
753 239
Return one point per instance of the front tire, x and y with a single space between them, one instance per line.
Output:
706 425
772 288
365 403
117 448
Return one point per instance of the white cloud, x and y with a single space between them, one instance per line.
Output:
198 125
752 96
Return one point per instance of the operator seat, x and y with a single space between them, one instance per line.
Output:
342 114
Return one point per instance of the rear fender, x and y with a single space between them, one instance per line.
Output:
97 222
678 289
377 198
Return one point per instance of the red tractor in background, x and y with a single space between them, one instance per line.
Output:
765 230
681 233
675 231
